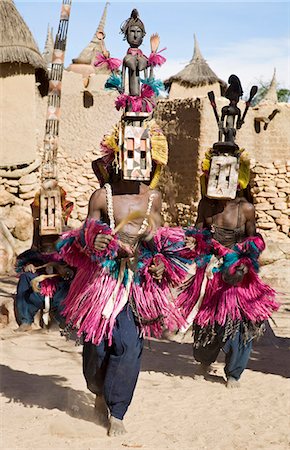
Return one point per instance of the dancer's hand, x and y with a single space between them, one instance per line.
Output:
235 278
157 270
190 242
30 268
102 241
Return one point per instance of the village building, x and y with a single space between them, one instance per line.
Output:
21 68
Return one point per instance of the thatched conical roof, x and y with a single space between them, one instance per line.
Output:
196 73
17 44
271 94
48 47
87 55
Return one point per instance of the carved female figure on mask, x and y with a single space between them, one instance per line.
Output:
135 61
231 114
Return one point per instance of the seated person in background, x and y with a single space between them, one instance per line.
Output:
52 280
44 278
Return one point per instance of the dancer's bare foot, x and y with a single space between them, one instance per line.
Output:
24 327
116 427
232 383
101 410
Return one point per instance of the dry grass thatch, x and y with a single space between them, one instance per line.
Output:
196 73
17 44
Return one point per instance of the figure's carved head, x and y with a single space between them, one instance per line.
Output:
235 90
133 30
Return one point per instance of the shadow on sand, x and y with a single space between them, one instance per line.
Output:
270 356
47 392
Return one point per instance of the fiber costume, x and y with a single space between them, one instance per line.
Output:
209 301
105 282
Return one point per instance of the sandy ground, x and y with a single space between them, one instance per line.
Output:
45 403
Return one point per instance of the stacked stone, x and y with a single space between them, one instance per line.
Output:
16 196
183 215
77 178
270 187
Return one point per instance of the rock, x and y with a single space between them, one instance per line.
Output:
267 194
285 229
271 171
27 203
283 220
271 253
82 180
265 225
14 183
11 189
4 211
21 246
277 274
7 246
83 188
82 203
280 205
31 178
267 165
258 170
74 223
281 184
24 225
284 246
263 207
28 187
28 195
7 199
74 213
274 213
10 223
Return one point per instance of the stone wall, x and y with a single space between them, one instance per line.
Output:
270 187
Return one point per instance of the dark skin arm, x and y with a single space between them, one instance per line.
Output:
249 214
96 208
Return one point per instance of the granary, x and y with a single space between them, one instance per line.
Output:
84 63
21 66
48 48
196 79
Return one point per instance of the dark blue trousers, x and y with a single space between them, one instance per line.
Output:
29 302
113 371
236 351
